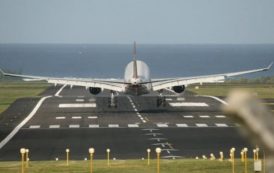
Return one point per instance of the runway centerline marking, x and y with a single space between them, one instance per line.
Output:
34 126
77 105
188 104
136 110
79 100
19 126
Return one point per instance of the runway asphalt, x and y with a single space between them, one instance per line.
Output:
188 126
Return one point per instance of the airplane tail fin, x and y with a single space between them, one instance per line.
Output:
135 72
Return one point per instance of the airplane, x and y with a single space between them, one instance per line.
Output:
137 81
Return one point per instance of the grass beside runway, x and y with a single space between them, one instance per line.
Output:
262 90
13 90
128 166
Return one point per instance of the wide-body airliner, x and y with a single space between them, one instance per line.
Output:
137 81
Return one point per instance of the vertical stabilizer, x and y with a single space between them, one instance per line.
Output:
135 73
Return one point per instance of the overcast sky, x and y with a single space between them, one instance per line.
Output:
146 21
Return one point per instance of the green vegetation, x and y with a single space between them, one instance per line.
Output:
128 166
13 90
262 90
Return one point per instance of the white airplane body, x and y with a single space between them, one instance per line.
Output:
137 80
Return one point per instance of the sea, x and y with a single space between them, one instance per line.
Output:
109 60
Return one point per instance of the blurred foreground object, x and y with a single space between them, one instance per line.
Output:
257 120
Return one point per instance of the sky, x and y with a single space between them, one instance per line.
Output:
146 21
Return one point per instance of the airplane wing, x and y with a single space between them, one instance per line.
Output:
159 84
110 84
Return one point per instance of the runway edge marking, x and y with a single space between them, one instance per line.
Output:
19 126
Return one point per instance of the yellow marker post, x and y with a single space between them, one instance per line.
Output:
27 158
245 156
158 152
67 154
108 151
221 156
254 155
148 156
232 156
257 153
91 152
242 156
22 151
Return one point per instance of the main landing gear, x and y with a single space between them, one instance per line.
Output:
161 101
112 101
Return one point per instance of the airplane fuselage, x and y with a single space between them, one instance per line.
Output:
135 83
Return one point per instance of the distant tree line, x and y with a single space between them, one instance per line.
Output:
259 80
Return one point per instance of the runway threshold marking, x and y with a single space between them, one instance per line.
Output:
220 116
74 126
181 125
60 118
54 126
133 125
221 125
77 105
113 125
76 117
59 91
19 126
93 126
162 125
188 104
201 125
34 126
92 117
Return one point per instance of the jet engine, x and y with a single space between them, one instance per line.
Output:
95 90
179 89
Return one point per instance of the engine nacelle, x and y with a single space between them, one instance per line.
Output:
179 89
95 90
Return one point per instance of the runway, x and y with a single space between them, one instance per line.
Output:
188 126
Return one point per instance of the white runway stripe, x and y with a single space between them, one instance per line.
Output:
181 125
188 104
162 125
54 126
60 118
133 125
92 117
74 126
188 116
93 126
180 99
201 125
77 105
220 116
34 126
76 117
80 100
221 125
169 99
113 125
204 116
